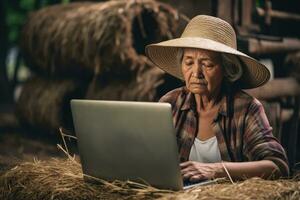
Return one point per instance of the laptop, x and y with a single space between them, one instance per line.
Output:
134 141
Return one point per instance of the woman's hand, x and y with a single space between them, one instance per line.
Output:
195 171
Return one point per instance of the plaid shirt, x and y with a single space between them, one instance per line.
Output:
245 136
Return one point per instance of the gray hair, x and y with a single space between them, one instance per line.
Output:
231 65
179 56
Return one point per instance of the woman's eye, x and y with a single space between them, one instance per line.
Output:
188 62
207 65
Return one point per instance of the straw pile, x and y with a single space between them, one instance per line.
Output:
143 87
62 179
100 44
45 103
100 37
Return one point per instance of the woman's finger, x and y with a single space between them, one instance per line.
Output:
189 174
197 177
186 164
187 169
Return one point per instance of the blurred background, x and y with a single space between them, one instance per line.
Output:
52 51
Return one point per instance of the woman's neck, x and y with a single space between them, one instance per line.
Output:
207 102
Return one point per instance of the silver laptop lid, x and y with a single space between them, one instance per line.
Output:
127 141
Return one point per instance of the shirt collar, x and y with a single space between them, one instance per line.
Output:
189 100
223 108
190 103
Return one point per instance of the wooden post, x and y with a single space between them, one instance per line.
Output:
278 14
259 46
224 10
268 16
293 134
246 20
276 88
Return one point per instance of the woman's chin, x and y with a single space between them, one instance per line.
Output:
199 90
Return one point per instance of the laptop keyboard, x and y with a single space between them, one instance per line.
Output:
188 184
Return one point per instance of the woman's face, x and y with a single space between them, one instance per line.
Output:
202 71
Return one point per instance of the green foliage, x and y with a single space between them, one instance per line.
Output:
259 3
65 1
16 15
14 20
27 5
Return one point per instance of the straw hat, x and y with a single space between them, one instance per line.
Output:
210 33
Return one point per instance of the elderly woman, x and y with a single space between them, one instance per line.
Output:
219 127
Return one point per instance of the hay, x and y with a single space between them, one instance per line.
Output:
254 188
100 37
140 86
45 103
7 162
62 179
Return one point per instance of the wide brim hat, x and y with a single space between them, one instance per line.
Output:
208 33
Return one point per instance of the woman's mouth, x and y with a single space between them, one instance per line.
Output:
201 82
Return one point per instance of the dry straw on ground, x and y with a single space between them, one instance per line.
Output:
99 37
62 180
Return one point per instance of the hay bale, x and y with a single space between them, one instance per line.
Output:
63 179
139 86
45 103
146 83
99 37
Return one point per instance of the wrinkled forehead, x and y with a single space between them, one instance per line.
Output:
201 53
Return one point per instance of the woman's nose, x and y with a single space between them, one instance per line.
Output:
197 71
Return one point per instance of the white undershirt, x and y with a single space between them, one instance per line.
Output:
206 151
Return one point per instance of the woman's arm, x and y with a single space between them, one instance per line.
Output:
237 170
265 156
259 142
264 168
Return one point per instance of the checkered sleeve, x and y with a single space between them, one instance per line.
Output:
259 142
171 97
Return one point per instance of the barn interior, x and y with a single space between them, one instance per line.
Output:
55 51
